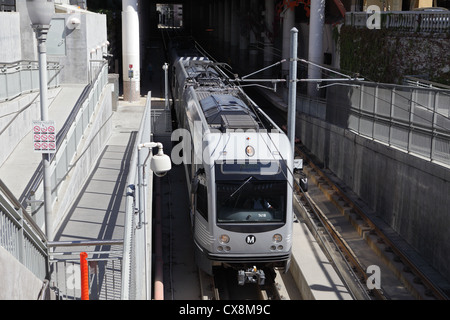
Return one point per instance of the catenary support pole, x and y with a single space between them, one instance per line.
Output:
166 85
292 103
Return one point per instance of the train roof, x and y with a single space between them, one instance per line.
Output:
226 111
224 105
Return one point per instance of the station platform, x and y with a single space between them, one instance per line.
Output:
311 270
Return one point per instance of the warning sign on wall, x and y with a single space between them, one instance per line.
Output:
44 136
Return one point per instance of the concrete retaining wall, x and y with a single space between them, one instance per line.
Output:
16 281
410 194
10 37
75 49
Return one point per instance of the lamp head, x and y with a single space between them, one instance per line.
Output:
40 11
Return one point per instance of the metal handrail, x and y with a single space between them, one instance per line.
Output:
28 233
21 66
58 244
34 227
30 103
433 125
135 203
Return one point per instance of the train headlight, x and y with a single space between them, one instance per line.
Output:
277 238
224 239
250 151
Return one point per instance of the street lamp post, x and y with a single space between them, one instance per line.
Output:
40 13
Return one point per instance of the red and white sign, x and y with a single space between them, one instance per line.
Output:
44 136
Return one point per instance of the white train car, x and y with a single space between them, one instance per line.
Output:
239 165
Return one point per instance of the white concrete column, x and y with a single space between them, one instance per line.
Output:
130 50
288 24
316 23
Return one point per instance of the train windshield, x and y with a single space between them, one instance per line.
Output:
251 201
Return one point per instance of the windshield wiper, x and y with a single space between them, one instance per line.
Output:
237 190
243 184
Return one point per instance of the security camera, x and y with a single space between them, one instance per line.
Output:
73 23
160 163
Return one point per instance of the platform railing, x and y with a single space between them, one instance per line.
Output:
136 279
21 77
20 236
413 119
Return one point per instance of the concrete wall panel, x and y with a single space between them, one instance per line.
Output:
16 281
10 37
409 193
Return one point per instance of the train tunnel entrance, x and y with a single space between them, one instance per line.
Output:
169 15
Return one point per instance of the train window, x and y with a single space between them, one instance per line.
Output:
251 201
270 168
202 201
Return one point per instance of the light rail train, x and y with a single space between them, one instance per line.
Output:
239 167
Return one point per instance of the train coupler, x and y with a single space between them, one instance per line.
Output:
252 275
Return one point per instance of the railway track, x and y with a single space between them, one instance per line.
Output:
334 245
224 286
